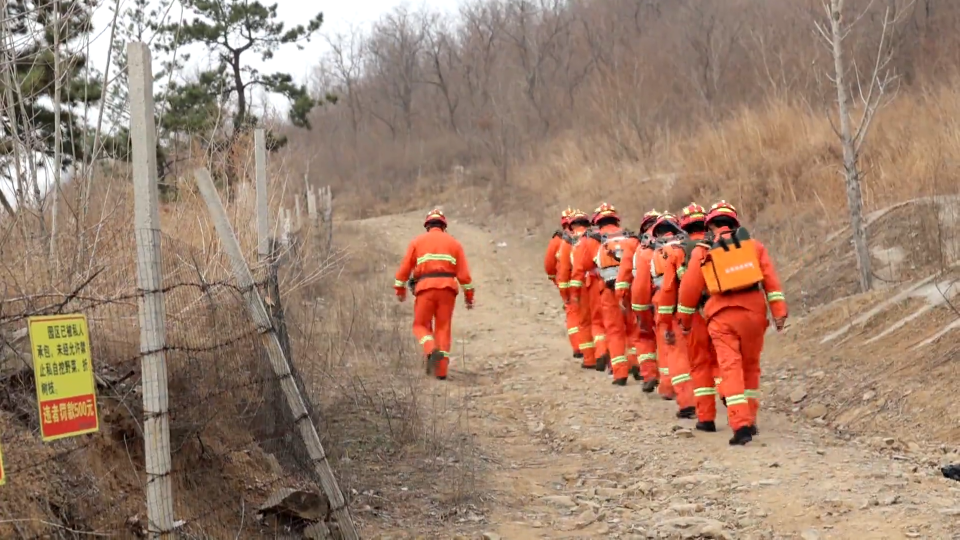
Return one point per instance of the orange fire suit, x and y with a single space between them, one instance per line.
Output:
642 347
691 365
586 267
736 322
583 333
438 265
622 291
551 258
638 268
646 297
589 301
564 258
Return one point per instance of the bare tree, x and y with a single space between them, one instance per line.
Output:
396 45
443 58
346 62
872 96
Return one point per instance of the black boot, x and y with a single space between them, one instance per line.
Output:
709 426
602 362
687 412
620 382
635 371
754 431
584 366
741 436
442 378
432 359
724 401
668 398
650 386
578 354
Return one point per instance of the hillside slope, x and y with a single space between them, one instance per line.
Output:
567 455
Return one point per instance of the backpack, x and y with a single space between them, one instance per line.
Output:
732 264
609 254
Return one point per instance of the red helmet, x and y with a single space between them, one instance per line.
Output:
435 217
579 216
649 219
722 209
694 213
666 224
605 211
565 217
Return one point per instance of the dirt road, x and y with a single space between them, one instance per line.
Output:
574 457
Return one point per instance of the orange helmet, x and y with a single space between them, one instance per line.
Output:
565 217
649 219
694 213
722 209
666 224
435 217
579 216
605 211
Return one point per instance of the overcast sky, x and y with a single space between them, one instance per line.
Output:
339 16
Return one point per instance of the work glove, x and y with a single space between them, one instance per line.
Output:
669 337
622 300
468 298
781 323
645 321
401 294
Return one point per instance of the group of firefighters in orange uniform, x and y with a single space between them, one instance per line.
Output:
633 308
680 305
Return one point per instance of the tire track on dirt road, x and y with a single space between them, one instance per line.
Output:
579 458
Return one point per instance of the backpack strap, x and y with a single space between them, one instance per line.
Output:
558 234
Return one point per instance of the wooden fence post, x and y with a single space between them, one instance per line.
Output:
327 196
156 419
278 359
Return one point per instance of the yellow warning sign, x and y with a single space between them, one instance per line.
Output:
63 369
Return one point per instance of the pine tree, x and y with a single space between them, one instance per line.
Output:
234 30
28 35
144 21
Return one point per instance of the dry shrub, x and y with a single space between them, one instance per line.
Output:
230 432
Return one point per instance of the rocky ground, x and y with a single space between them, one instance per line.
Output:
567 455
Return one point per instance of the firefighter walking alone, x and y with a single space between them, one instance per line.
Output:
434 267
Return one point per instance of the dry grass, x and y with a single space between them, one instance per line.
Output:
227 427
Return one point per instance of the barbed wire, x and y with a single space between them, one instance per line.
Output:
230 430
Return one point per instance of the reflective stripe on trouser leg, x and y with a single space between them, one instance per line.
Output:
680 379
753 398
705 392
427 343
738 399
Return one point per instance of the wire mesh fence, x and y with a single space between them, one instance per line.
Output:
239 468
